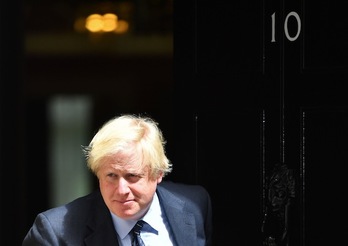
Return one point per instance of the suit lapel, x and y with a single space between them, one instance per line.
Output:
102 236
182 222
101 226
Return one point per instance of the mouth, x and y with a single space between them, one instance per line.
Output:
126 202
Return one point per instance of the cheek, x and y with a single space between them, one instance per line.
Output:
106 187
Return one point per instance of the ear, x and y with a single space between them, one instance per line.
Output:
159 177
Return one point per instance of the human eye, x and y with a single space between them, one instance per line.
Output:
133 177
111 175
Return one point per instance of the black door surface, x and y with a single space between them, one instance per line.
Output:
262 117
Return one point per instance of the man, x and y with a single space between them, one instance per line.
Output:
127 155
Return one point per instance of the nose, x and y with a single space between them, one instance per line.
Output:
123 186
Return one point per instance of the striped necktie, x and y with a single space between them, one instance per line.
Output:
136 239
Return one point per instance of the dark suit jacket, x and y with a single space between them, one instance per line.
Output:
87 220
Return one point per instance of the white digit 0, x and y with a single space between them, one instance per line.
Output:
298 26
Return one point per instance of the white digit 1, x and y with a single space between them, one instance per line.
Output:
298 26
273 28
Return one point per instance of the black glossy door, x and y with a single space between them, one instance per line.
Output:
262 117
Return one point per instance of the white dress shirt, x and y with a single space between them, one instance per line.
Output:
157 234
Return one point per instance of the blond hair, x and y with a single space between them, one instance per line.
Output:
117 133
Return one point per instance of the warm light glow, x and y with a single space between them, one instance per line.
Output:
104 23
101 23
122 26
94 23
109 22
